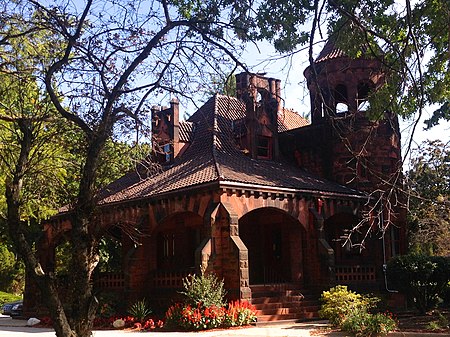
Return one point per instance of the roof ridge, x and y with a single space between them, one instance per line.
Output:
215 138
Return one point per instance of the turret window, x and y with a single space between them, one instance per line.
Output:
340 99
364 89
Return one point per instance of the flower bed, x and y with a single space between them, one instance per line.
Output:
187 317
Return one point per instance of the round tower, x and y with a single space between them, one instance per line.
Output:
361 148
339 85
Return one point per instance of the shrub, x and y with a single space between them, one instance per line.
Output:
206 290
441 323
6 298
339 303
446 295
422 278
12 272
140 311
363 324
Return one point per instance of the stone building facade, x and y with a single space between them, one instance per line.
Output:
251 191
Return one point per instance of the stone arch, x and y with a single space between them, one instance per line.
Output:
275 244
176 238
295 207
347 235
198 204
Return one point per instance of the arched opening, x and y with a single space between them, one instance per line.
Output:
110 251
177 238
354 248
363 91
273 239
340 99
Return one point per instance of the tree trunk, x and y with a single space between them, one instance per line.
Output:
18 235
84 240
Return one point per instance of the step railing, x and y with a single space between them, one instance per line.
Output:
355 273
170 278
110 281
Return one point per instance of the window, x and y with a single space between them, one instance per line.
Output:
168 246
395 241
362 167
363 94
340 99
264 147
167 152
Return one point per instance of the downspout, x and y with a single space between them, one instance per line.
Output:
384 253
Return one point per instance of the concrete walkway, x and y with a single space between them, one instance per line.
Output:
17 328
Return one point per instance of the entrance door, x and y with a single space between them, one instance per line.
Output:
268 247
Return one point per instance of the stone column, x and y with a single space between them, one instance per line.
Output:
232 253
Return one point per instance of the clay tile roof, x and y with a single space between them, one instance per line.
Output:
329 52
213 157
289 119
186 131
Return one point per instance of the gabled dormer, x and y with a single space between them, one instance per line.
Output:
261 96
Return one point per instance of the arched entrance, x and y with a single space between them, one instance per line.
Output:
355 249
177 238
273 240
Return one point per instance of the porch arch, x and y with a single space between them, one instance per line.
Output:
355 249
275 243
176 239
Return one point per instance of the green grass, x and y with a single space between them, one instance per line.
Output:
6 297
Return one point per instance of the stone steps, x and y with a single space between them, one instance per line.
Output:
284 302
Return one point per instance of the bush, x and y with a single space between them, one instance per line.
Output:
446 295
339 303
351 312
363 324
206 290
422 278
12 273
140 311
6 298
191 318
204 306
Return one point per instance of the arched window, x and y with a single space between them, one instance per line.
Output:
340 99
364 90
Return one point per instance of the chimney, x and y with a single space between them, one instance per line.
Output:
165 131
262 97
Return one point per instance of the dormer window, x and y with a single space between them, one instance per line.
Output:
264 147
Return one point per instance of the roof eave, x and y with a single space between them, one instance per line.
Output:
224 184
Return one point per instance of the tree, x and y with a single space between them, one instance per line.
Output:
40 153
113 57
429 189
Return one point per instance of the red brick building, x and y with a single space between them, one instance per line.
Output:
252 192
